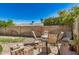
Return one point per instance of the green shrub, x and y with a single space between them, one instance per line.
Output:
1 49
74 42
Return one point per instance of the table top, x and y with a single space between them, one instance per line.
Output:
44 36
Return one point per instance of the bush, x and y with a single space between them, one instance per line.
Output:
74 42
1 49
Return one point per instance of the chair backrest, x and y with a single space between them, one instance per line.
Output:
60 35
45 33
34 35
68 34
52 38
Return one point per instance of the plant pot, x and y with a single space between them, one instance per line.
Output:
75 48
72 48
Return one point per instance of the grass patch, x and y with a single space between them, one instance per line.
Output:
10 40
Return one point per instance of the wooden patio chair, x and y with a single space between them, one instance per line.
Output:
60 36
17 51
37 41
52 42
52 38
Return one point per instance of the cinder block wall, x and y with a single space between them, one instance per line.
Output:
27 30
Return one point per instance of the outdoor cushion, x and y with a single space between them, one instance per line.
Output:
54 50
67 36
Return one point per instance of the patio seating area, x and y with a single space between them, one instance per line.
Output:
47 44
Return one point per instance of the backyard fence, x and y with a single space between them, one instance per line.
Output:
27 30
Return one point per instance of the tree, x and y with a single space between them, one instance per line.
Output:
41 20
32 22
6 24
1 23
68 17
53 21
65 17
10 22
75 11
48 21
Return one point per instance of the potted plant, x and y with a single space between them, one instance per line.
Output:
75 45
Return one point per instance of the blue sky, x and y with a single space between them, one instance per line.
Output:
27 12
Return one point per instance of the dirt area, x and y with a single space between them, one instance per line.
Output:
6 46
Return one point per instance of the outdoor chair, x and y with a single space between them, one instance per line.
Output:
52 39
52 43
28 50
54 50
34 35
17 50
21 50
60 36
37 41
67 37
